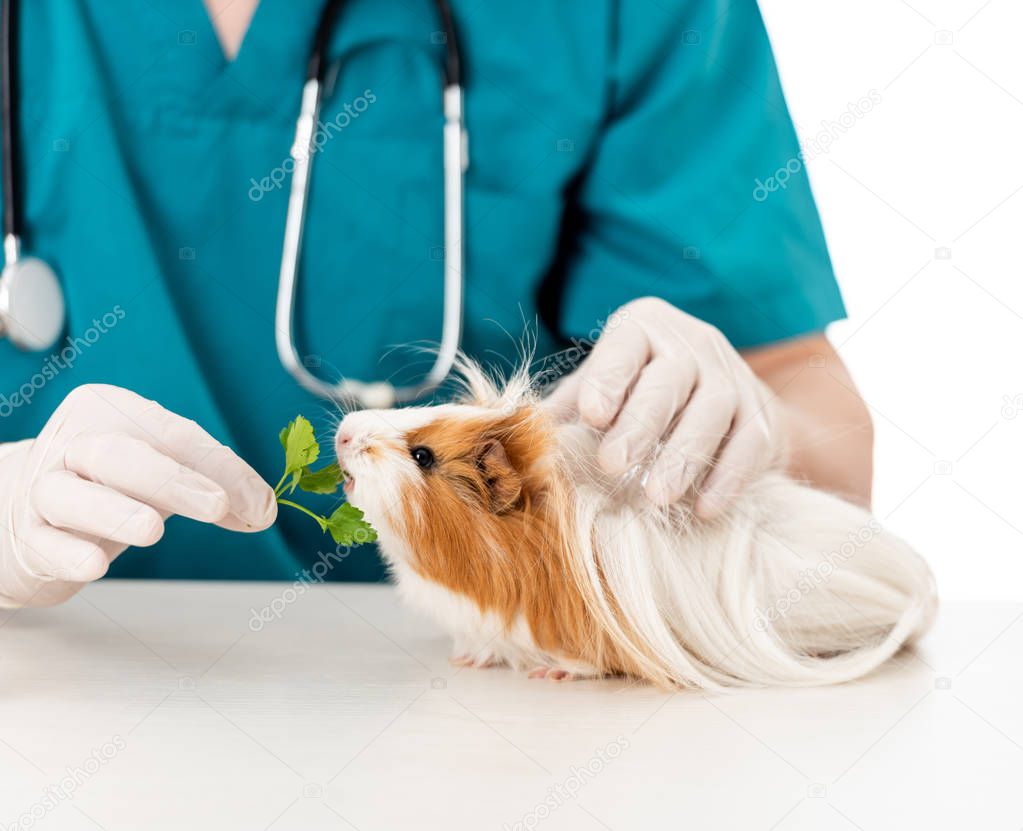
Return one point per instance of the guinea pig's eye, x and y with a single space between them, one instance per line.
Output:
423 457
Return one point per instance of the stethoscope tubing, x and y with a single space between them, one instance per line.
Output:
32 313
350 392
9 89
31 299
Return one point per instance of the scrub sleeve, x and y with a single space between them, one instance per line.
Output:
671 204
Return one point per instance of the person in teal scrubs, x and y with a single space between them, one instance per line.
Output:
617 148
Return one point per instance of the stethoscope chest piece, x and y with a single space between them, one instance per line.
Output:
31 304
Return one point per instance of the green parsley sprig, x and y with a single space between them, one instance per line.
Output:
301 450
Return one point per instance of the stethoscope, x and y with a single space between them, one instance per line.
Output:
31 300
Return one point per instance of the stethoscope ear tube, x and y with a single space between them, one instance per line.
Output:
456 162
9 94
284 317
379 394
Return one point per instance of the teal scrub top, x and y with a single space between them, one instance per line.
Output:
616 150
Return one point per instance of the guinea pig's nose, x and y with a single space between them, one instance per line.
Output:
343 438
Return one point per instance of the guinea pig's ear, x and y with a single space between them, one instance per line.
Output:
501 482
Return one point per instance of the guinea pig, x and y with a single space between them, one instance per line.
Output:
495 519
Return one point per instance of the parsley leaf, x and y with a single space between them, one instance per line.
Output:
346 525
300 446
324 480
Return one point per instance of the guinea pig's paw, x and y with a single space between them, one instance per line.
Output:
475 661
555 674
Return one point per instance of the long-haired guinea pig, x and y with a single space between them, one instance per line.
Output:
496 520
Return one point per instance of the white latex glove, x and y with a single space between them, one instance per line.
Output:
104 473
669 387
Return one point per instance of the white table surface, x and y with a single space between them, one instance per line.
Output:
344 713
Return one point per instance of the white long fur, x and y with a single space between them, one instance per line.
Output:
792 587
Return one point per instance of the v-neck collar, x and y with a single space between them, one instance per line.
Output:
269 62
220 35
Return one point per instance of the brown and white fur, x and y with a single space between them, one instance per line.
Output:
520 547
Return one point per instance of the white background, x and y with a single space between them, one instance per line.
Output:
934 344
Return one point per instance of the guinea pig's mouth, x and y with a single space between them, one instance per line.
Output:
348 485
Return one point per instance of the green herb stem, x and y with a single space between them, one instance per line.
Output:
322 522
279 489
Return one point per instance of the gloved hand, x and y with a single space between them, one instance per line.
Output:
104 473
668 386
